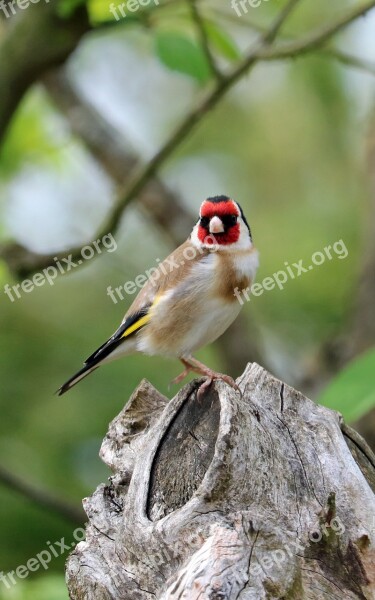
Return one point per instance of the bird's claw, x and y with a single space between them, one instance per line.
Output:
180 377
219 377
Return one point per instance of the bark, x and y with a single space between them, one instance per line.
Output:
229 496
36 40
362 333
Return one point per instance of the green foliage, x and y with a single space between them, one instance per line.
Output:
28 139
352 392
222 41
48 587
99 11
66 8
180 53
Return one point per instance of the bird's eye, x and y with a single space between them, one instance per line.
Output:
204 222
230 220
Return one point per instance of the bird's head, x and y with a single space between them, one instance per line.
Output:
221 225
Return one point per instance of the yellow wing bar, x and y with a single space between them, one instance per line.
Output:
143 320
137 325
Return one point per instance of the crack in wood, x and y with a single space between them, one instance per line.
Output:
181 459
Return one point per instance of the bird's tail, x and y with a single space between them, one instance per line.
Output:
110 349
101 355
77 377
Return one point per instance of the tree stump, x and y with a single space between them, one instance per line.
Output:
229 497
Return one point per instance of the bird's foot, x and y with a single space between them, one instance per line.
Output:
191 364
203 387
211 375
182 376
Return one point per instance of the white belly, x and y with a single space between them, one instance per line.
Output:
210 325
200 328
188 317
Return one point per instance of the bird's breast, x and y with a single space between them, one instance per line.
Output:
235 271
199 309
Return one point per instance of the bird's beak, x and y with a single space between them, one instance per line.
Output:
216 225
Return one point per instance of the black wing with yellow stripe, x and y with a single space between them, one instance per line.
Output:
131 325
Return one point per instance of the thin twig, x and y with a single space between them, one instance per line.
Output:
205 44
349 60
316 38
42 498
332 53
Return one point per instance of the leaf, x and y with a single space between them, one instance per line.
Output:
99 11
180 53
66 8
222 41
28 138
352 392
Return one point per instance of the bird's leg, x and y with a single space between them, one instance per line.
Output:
201 369
181 377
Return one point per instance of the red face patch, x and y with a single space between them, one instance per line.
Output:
228 237
221 210
210 209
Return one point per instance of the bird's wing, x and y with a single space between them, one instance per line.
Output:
130 326
167 276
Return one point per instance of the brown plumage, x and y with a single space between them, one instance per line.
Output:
189 299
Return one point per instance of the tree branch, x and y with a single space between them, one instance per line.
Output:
205 44
143 175
212 98
23 55
332 53
261 51
349 60
361 335
317 38
42 498
111 151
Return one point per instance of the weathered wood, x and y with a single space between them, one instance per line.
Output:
229 497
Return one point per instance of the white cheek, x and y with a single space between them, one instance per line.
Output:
194 237
247 265
244 240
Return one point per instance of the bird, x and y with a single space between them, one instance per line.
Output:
190 299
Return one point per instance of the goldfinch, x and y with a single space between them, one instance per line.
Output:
189 300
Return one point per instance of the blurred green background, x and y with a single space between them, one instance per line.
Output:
291 142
